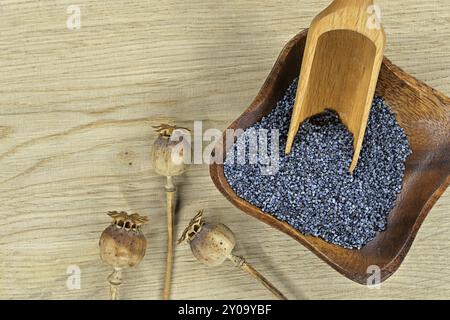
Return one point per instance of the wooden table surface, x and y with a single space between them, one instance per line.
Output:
76 108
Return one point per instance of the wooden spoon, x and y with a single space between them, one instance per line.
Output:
341 63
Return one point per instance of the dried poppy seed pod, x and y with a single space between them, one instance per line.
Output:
213 243
210 243
167 158
122 245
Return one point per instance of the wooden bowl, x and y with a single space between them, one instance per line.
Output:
424 114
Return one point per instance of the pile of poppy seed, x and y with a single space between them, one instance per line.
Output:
312 189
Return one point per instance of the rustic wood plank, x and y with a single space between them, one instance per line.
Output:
76 108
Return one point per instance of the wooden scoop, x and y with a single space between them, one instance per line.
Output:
342 59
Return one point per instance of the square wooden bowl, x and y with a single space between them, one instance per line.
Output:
423 112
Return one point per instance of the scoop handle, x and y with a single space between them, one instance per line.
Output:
360 7
359 3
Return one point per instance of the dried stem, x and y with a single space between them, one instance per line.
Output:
170 195
242 264
115 279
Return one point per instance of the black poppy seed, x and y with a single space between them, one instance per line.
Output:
312 189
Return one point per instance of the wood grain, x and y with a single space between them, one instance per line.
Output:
75 113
